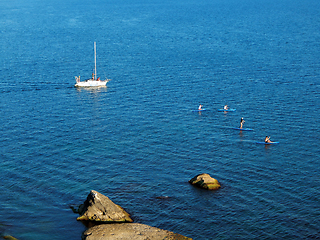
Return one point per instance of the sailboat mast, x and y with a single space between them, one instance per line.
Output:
95 62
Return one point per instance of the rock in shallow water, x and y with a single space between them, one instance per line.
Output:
205 181
10 237
130 231
100 208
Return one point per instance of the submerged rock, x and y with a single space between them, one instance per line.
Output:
205 181
130 231
100 208
10 237
163 197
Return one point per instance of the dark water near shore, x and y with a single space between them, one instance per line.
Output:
138 139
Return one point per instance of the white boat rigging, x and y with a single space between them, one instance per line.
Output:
93 81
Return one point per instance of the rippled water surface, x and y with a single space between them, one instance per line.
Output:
139 139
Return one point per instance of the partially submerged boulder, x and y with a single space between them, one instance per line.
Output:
9 237
100 208
205 181
129 231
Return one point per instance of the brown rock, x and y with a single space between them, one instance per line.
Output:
205 181
10 237
130 231
100 208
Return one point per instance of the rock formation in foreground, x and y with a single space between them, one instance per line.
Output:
100 208
10 237
205 181
130 231
114 223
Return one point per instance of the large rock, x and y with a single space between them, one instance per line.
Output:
100 208
10 237
130 231
205 181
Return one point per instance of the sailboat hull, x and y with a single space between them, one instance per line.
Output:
94 81
91 83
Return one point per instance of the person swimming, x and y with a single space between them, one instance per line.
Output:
267 140
241 122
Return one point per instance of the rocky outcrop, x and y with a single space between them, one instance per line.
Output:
205 181
130 231
10 237
110 221
100 208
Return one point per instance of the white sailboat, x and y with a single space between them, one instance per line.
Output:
94 81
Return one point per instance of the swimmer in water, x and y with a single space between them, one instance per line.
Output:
241 122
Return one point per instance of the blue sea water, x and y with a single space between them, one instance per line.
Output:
139 139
